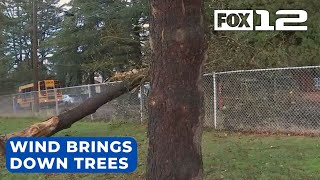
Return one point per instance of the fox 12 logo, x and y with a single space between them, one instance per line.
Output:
243 20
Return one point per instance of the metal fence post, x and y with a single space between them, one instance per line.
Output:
32 102
141 104
215 100
14 104
57 102
90 95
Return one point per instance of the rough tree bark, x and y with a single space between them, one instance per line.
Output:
175 127
63 121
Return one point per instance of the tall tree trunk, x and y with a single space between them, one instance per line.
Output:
91 78
79 77
91 81
178 45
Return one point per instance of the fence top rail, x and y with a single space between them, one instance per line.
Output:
208 74
269 69
64 88
91 85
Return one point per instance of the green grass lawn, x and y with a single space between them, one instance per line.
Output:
225 155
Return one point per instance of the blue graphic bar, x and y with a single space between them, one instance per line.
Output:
72 155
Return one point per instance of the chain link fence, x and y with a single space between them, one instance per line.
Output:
55 101
268 100
264 100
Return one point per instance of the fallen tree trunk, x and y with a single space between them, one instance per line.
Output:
65 120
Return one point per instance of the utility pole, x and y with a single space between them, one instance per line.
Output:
35 55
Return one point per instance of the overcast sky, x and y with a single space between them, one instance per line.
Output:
64 2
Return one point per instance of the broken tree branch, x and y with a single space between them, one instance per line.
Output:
129 81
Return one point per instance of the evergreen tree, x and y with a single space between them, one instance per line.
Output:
15 43
257 49
19 27
100 37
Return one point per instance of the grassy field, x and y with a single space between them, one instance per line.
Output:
225 155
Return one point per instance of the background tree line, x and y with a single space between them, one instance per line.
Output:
100 37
